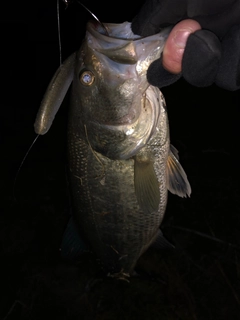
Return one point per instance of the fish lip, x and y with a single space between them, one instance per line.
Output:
94 24
97 30
107 30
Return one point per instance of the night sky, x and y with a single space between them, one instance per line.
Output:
200 279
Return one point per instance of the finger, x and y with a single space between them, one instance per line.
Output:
175 44
201 58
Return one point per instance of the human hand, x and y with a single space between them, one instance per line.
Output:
203 46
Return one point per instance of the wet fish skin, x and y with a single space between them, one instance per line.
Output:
111 107
107 212
121 164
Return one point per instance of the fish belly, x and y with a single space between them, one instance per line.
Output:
106 209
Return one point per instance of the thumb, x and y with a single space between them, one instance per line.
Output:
175 44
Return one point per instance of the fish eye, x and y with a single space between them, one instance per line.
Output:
87 78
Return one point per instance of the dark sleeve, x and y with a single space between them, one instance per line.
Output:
157 14
215 15
212 55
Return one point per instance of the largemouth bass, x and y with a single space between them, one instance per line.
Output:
121 163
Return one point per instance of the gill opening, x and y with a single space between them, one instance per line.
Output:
95 155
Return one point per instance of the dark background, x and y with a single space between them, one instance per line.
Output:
199 279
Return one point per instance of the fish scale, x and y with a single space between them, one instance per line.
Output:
120 161
109 211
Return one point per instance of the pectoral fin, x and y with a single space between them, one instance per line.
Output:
54 95
146 185
177 181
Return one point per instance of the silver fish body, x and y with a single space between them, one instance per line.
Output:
121 164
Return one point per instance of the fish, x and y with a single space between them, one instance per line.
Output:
121 164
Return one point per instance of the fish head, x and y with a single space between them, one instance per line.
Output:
110 85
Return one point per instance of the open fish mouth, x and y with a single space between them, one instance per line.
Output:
118 144
112 30
100 28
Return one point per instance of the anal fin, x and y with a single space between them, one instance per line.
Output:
72 245
161 243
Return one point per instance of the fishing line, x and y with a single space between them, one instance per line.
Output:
204 235
59 33
21 164
67 2
94 16
60 58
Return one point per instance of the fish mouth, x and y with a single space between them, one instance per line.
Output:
117 43
99 27
111 30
